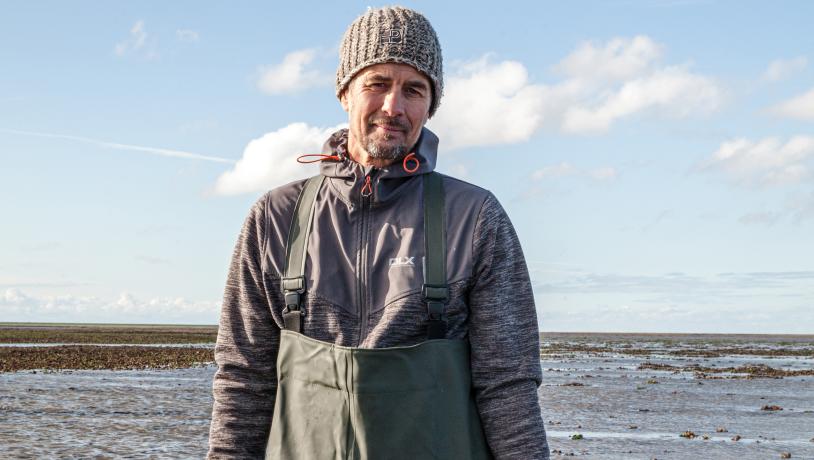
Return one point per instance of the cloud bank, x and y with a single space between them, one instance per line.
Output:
676 302
16 305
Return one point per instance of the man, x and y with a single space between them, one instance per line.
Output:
337 283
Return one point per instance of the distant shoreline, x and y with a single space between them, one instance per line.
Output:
212 328
65 346
690 337
106 334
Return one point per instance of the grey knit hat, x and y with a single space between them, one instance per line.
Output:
391 34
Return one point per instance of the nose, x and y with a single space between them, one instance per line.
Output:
393 104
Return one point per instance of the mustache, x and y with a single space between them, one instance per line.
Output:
391 123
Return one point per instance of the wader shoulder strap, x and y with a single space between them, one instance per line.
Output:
435 290
293 282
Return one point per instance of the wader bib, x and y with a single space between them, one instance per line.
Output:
334 402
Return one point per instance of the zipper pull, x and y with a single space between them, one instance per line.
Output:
367 189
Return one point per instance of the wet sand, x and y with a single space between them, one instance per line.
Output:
628 396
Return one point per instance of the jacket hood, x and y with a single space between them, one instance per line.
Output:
348 177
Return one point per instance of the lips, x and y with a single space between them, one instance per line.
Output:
390 128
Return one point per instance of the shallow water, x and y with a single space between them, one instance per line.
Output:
165 413
622 416
106 414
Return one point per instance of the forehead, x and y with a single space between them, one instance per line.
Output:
393 71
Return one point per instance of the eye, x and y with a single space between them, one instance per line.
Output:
411 91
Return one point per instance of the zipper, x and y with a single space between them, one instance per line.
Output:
365 199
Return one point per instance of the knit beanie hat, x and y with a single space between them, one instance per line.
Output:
391 34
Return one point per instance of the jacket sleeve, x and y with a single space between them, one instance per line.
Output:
504 340
245 382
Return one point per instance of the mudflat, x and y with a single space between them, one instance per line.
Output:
106 346
678 396
603 396
105 333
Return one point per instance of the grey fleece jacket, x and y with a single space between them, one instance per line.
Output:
365 275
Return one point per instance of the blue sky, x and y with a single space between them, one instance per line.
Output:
655 157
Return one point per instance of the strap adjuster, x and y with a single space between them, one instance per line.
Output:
435 292
295 283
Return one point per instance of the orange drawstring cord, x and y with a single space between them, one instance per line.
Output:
320 157
367 189
410 158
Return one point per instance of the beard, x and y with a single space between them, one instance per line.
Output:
385 152
380 148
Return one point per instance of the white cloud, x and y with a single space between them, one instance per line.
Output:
490 103
487 104
673 91
187 35
272 159
800 107
558 170
566 169
14 297
618 60
117 146
293 74
768 161
136 42
453 166
780 69
18 306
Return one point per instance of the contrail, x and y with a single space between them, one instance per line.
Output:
114 145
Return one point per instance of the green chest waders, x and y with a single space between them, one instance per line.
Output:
335 402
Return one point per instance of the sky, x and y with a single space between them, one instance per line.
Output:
656 157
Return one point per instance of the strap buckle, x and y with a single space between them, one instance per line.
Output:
293 288
435 296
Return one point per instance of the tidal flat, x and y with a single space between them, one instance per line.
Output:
604 396
670 396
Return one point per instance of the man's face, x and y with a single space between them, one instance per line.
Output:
387 106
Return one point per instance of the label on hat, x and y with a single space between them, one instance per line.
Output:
391 36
